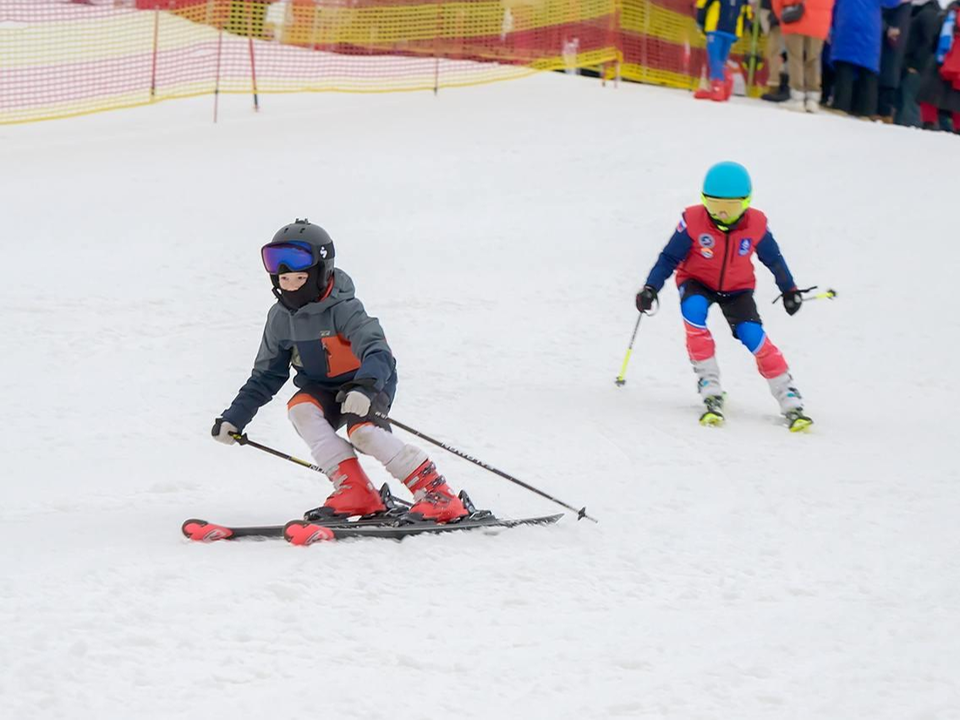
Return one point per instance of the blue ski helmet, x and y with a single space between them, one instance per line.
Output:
727 180
724 182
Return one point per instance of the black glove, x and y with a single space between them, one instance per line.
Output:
792 300
646 298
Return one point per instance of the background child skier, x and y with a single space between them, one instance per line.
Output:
722 21
347 377
711 251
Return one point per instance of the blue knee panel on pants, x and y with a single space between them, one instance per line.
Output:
694 310
751 334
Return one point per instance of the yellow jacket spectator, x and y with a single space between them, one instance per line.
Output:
726 16
723 21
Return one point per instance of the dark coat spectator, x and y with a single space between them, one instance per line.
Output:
778 86
940 89
925 22
896 33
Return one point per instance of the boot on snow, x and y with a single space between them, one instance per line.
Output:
790 401
713 415
716 92
432 497
353 494
797 421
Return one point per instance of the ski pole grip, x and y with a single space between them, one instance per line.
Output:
240 438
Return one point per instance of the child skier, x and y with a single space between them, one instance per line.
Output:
346 375
722 21
711 252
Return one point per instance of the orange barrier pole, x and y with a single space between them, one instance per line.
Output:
253 64
216 90
436 49
156 37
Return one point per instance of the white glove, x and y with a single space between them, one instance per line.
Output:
222 430
355 403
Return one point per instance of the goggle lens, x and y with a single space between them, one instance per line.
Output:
726 208
296 256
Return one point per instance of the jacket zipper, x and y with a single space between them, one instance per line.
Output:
723 268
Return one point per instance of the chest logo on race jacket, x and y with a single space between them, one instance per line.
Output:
707 252
745 246
706 241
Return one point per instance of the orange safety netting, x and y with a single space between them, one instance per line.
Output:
67 57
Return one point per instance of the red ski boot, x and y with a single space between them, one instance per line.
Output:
727 84
717 92
353 493
703 93
433 498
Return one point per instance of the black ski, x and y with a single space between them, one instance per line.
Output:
204 531
395 529
393 523
301 532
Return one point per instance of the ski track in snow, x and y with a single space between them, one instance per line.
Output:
499 233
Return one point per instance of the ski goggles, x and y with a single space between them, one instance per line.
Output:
726 208
296 256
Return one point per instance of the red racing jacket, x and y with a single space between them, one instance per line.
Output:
720 260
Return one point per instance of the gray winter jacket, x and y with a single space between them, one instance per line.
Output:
330 342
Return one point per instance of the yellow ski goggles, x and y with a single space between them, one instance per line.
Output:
725 209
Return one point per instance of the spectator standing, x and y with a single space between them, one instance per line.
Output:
855 50
896 34
925 23
939 94
778 82
723 22
804 39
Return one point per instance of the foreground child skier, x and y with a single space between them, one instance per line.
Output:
346 374
711 252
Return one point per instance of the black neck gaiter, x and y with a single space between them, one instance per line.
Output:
309 292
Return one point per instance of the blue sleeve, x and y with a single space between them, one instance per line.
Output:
270 373
769 253
673 254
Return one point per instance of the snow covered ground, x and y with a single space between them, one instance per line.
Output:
500 234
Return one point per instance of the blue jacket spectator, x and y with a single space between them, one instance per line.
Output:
857 30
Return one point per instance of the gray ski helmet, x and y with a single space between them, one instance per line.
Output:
318 239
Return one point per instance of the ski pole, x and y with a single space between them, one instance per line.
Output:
581 513
244 440
828 294
621 378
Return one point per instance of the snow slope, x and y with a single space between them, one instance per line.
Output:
500 234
